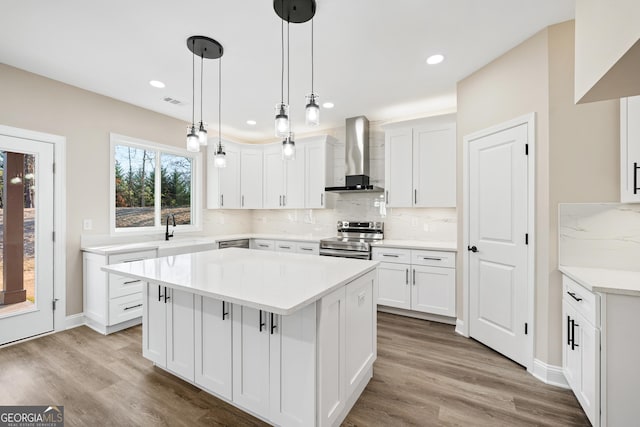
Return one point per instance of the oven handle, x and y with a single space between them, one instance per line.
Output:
345 254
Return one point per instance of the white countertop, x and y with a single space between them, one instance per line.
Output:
417 244
604 280
280 283
211 243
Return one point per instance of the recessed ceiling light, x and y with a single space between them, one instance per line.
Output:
157 83
435 59
251 122
327 105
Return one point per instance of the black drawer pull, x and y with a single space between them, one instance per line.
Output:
391 255
573 295
260 322
273 324
428 258
131 281
307 249
263 246
132 307
133 260
285 247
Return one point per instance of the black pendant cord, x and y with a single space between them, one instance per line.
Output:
193 85
201 88
311 56
288 73
220 103
282 60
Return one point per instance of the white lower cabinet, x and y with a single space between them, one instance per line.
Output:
168 329
304 369
417 280
213 349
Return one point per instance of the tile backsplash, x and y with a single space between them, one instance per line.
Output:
600 235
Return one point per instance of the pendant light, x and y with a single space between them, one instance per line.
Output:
208 48
193 143
282 125
289 147
220 157
312 110
202 131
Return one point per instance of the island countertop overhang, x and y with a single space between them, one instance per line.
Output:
280 283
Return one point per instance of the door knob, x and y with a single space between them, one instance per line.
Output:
472 248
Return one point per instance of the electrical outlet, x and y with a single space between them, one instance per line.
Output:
87 224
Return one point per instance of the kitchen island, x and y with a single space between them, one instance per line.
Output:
288 338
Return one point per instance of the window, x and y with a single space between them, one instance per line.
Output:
152 182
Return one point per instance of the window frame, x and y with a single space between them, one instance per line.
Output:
196 185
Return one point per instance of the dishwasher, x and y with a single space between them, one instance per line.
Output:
238 243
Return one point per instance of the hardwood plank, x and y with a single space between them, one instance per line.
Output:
425 375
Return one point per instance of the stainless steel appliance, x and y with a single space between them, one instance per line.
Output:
354 239
356 158
238 243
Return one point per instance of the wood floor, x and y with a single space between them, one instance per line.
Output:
425 375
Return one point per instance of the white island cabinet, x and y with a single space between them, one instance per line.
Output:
286 337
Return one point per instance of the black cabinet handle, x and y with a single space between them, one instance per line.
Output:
406 276
273 324
160 294
415 196
472 249
573 295
224 313
414 277
260 322
573 334
166 295
391 255
132 307
568 330
130 282
635 178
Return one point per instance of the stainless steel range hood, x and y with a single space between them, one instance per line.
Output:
356 159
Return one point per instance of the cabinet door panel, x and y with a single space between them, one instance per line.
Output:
292 364
251 360
588 393
251 178
154 326
394 289
273 185
331 357
360 329
230 180
295 180
398 168
180 333
570 357
315 159
629 149
434 166
434 290
213 345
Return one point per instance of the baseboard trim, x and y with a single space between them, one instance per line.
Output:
549 374
417 315
460 330
74 321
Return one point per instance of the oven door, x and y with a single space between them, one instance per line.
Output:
345 254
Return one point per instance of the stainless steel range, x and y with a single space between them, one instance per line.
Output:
354 240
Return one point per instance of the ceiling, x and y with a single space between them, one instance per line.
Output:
369 54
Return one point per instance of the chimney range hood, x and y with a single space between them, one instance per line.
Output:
356 159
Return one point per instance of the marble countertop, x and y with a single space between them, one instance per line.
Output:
277 282
417 244
605 280
206 243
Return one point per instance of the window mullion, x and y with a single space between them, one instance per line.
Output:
158 191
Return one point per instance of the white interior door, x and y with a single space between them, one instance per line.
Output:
26 238
498 203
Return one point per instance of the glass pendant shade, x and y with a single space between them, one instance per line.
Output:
282 120
193 143
220 157
312 111
289 147
202 134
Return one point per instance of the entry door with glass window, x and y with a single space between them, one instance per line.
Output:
26 238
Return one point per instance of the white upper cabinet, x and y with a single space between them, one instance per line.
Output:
630 150
223 184
420 164
274 176
251 178
318 154
293 196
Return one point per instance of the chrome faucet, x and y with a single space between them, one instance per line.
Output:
167 236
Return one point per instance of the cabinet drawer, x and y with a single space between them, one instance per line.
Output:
582 300
125 308
132 256
402 256
265 245
308 248
433 258
285 246
120 286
